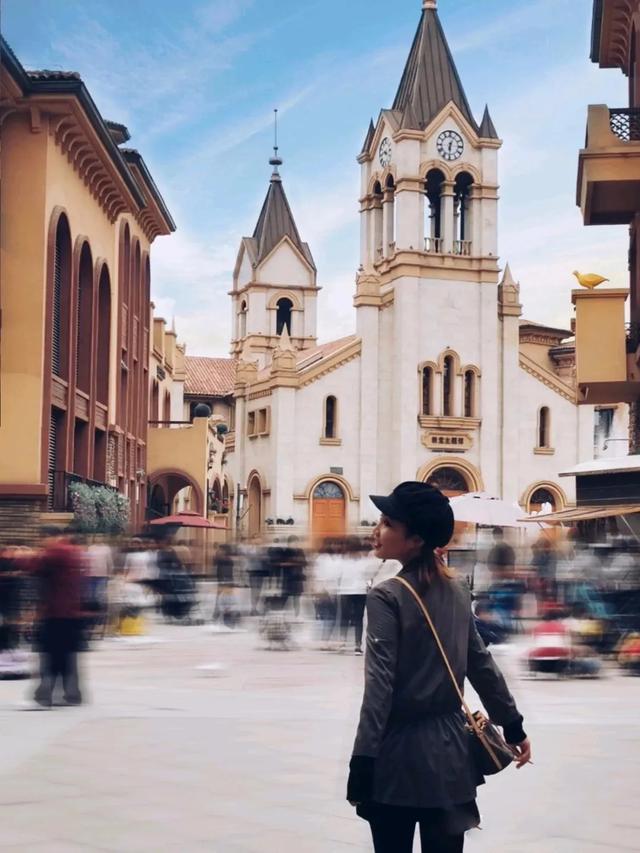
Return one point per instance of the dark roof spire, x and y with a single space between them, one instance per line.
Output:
367 140
430 79
487 127
276 220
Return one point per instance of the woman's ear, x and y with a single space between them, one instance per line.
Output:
418 540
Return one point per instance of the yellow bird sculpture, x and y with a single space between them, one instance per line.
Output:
589 279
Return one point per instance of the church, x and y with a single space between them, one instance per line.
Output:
443 381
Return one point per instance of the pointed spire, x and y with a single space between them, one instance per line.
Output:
430 79
507 278
487 127
509 295
367 140
284 343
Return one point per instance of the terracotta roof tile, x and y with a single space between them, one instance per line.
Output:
213 377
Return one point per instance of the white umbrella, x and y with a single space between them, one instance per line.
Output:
484 509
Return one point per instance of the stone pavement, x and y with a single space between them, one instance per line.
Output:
176 754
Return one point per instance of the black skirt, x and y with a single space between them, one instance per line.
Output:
453 821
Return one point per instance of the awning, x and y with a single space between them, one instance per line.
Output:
585 513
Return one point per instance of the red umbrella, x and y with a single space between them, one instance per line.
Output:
188 519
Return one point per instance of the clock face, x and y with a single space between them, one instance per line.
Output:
384 152
450 145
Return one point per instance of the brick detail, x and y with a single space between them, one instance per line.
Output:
20 520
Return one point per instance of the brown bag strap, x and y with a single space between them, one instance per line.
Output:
469 714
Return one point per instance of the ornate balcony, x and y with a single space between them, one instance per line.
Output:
608 190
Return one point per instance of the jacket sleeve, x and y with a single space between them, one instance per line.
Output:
380 670
490 685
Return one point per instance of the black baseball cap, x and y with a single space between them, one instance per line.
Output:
423 508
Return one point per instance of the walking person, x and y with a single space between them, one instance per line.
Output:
412 761
355 580
61 574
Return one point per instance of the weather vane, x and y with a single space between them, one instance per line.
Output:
276 160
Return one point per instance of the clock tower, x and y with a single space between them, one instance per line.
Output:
427 286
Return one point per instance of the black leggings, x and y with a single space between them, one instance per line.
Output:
394 834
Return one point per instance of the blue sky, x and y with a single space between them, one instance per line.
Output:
196 81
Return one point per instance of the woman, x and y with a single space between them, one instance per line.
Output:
411 762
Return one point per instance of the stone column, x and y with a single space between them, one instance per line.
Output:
387 223
446 208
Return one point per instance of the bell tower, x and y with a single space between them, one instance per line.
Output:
429 170
274 281
426 289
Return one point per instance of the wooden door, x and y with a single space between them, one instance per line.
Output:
328 512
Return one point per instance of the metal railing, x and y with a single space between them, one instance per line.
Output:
625 123
62 481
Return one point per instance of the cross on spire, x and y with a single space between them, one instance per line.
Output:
276 160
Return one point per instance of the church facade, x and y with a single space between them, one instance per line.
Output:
443 380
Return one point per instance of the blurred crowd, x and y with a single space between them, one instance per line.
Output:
576 603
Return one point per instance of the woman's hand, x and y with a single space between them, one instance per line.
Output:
522 753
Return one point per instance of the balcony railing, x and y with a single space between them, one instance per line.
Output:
462 247
433 245
625 123
60 500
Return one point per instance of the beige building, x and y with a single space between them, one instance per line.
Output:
186 455
80 211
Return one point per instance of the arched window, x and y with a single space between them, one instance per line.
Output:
283 315
448 383
84 320
433 226
242 320
104 334
541 497
154 404
451 481
61 300
427 391
328 490
469 394
462 214
330 417
544 427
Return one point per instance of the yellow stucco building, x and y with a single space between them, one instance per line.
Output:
80 211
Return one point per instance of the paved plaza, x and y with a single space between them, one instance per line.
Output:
201 741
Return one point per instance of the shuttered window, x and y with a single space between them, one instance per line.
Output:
56 319
52 456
